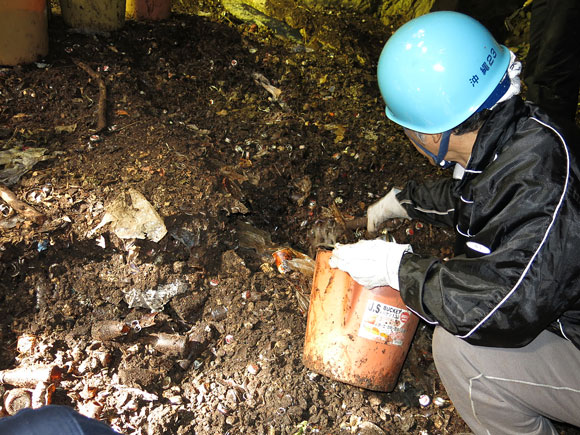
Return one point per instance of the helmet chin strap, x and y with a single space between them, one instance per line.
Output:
438 159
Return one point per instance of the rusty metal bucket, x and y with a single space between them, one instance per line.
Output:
23 31
356 335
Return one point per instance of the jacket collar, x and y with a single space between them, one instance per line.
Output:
495 133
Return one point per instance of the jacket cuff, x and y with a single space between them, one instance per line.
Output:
396 254
412 272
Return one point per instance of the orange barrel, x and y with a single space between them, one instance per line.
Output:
148 9
23 31
356 335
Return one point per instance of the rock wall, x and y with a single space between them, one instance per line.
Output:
292 17
315 23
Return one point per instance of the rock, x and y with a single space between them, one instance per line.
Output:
250 14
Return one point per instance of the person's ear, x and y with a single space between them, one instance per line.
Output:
436 137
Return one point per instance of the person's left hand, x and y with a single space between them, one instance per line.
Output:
371 263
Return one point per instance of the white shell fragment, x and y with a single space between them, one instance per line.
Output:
424 400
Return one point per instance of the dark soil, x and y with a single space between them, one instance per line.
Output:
236 169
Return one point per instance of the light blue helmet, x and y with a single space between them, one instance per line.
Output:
438 69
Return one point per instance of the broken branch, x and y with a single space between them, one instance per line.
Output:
102 111
21 207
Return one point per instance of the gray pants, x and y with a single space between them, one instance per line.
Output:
511 391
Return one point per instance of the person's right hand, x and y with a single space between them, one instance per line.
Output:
388 207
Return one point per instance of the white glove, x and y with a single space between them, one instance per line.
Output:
371 263
388 207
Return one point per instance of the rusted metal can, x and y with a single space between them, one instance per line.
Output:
30 376
288 259
108 330
356 335
17 399
281 257
170 344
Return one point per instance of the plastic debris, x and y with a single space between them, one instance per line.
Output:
219 313
154 299
16 162
261 80
133 217
39 194
65 128
189 230
256 239
42 245
281 257
439 402
288 259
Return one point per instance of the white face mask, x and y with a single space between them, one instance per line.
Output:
513 71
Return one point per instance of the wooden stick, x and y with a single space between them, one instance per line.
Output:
337 215
356 223
102 112
20 206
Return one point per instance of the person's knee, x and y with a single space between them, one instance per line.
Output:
445 350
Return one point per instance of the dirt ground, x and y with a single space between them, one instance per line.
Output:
242 143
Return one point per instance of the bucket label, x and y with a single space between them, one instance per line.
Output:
384 323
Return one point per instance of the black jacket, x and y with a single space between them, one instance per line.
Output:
516 212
